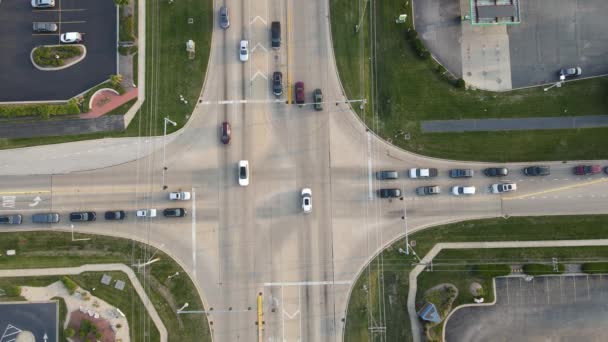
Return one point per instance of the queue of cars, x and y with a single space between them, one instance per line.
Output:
111 215
496 188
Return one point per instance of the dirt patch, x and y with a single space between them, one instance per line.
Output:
103 327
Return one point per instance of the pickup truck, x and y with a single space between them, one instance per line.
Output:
423 173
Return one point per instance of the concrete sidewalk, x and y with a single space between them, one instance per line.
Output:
514 124
411 297
37 272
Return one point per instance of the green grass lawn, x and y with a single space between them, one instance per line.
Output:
410 90
54 249
454 266
169 72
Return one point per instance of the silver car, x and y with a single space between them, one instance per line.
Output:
45 27
45 218
224 17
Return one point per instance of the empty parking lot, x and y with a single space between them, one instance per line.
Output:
96 19
552 308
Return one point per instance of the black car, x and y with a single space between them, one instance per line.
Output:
461 173
277 83
317 98
389 193
606 170
175 212
384 175
275 34
538 170
570 72
496 171
83 216
115 215
10 219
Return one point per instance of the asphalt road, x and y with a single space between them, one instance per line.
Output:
238 242
96 19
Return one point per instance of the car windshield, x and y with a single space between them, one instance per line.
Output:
243 172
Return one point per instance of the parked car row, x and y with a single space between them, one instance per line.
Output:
584 170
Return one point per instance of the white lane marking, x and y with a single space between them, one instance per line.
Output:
258 18
259 73
291 316
369 166
193 233
309 283
259 45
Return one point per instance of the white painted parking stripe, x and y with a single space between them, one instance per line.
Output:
193 233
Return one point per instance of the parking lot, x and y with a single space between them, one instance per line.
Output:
552 308
21 81
38 318
558 34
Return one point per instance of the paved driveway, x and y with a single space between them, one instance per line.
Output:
562 308
22 82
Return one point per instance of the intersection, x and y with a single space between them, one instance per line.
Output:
238 242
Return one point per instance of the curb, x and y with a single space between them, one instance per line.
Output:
84 54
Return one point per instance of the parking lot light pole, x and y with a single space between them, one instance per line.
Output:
164 147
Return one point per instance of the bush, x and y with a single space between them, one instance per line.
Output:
411 35
69 284
126 29
492 270
69 332
460 83
123 50
440 69
595 267
44 111
542 269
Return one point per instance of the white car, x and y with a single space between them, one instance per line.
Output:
503 187
243 173
146 213
43 3
244 51
179 196
307 200
463 190
70 37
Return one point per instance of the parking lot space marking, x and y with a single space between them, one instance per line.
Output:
574 285
588 287
547 291
73 22
193 233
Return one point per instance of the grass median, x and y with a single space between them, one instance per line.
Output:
379 296
410 90
54 249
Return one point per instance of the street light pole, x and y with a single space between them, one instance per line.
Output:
164 147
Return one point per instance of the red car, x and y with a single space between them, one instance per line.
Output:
582 170
225 133
300 93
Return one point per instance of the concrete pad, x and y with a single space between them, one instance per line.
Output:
486 62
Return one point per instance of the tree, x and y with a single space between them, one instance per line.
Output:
460 83
115 80
121 2
69 332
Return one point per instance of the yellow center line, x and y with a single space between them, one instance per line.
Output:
557 189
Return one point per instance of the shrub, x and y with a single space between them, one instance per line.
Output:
595 267
126 29
121 2
492 270
123 50
55 56
69 332
440 69
460 83
541 269
411 34
69 284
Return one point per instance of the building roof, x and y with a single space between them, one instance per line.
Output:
429 313
496 11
